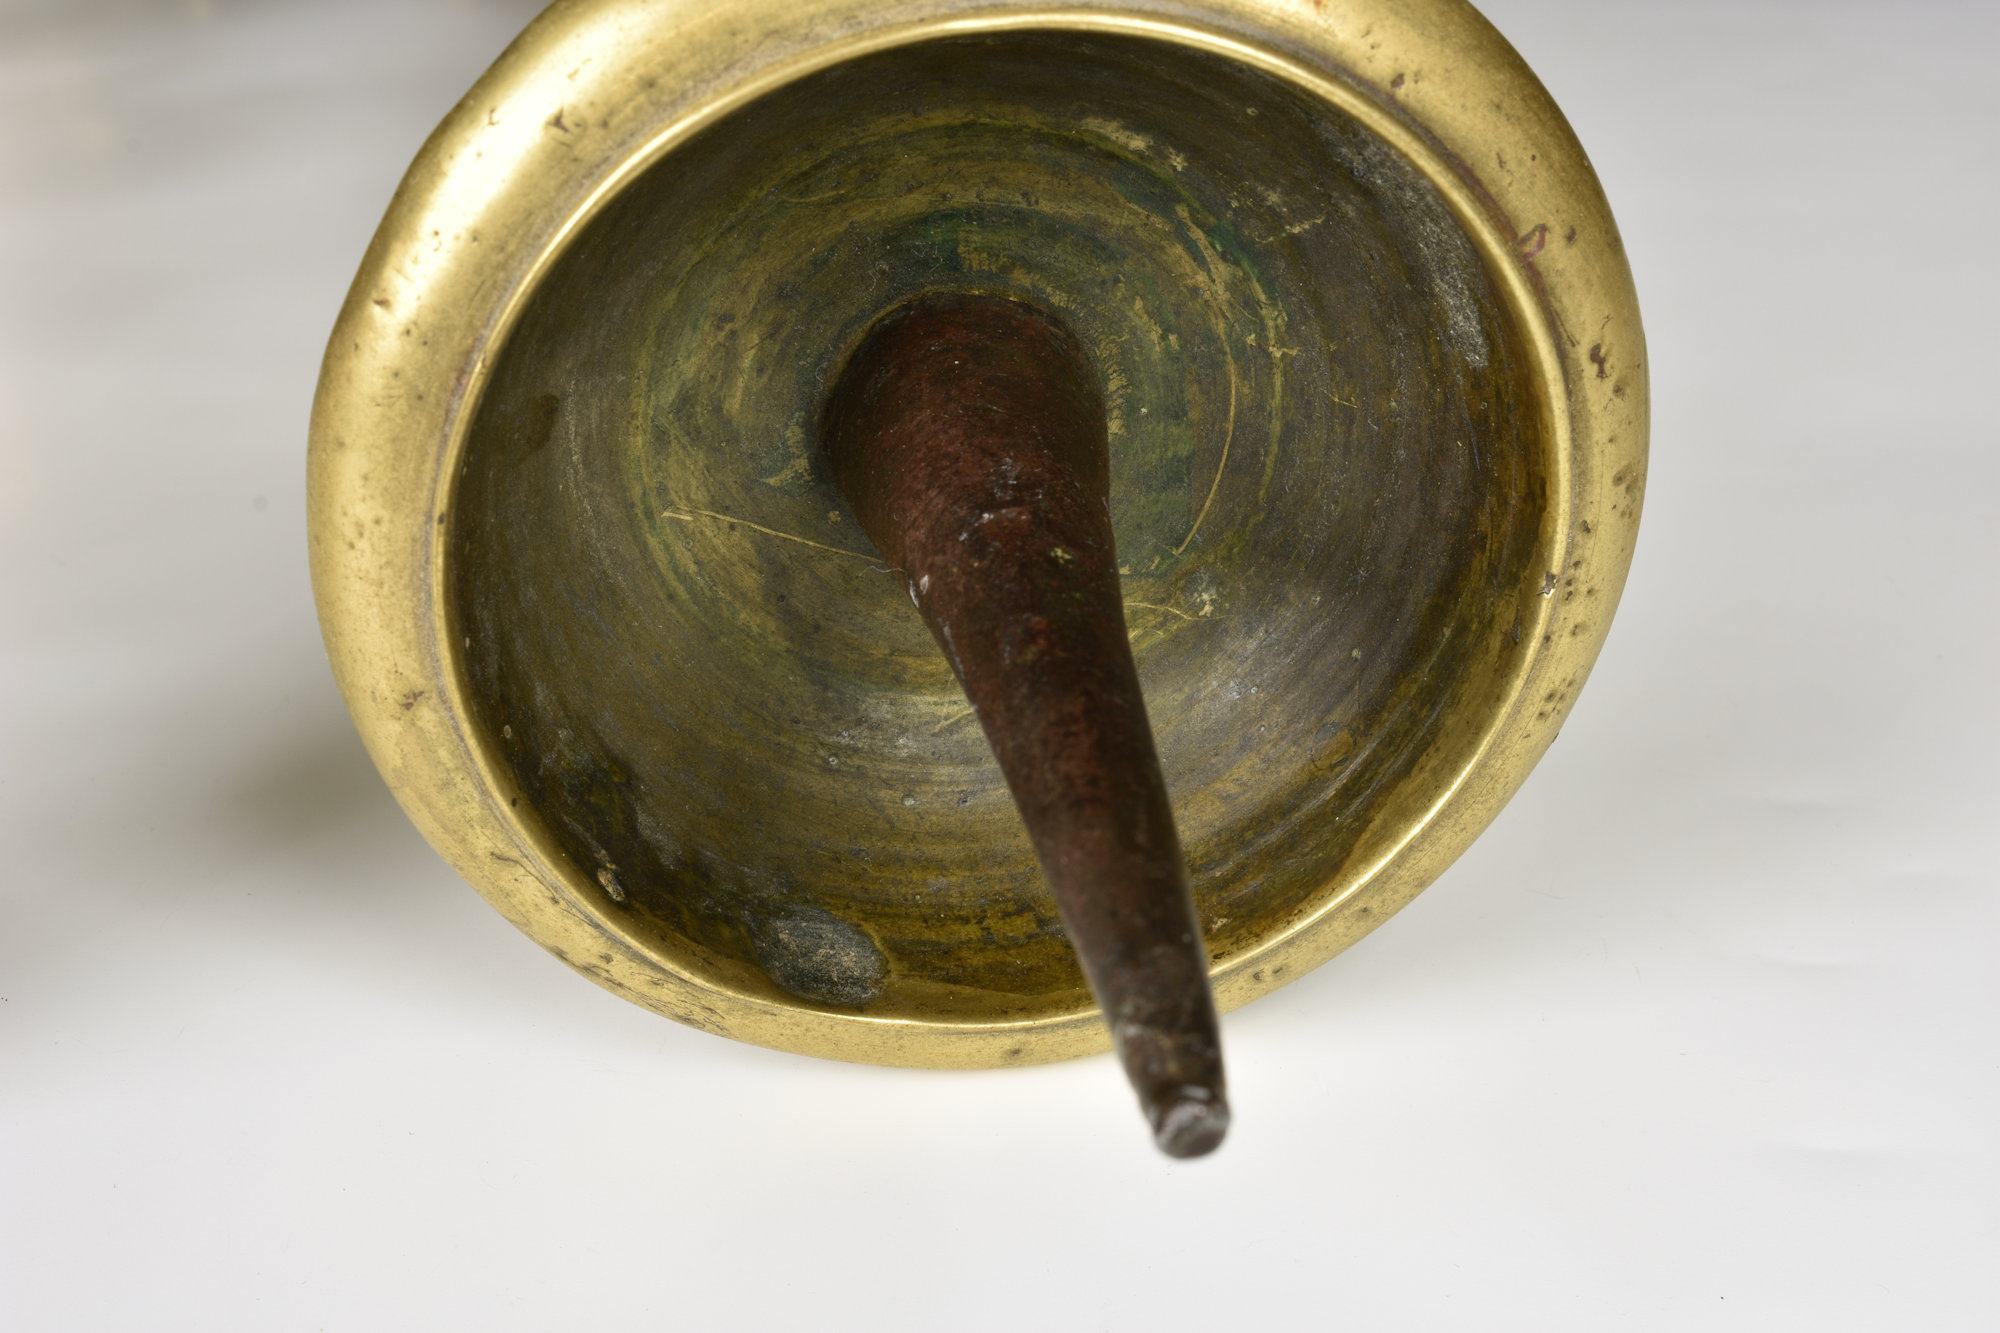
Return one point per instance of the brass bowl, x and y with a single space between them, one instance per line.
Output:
1378 405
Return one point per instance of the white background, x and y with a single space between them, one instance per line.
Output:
1701 1035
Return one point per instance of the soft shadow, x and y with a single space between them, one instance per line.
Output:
316 785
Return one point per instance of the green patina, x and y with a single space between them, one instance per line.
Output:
712 690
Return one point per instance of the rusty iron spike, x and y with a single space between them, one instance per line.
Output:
968 432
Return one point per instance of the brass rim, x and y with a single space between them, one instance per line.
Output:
497 195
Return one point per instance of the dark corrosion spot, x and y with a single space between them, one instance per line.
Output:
817 956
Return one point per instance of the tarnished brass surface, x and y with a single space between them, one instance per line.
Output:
1377 400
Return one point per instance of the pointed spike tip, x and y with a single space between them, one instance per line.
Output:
1191 1122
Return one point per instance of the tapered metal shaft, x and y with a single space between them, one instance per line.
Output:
968 433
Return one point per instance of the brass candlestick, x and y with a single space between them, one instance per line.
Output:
1303 333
